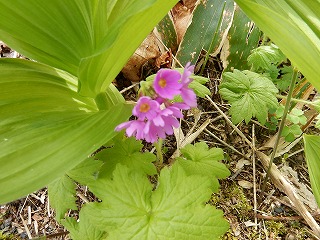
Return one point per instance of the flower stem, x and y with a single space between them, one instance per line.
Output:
286 109
158 146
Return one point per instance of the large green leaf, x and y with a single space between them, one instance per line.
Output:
204 31
90 38
111 61
294 26
312 150
243 36
175 210
46 127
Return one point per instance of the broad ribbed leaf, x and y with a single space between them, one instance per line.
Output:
91 38
294 26
111 61
204 31
312 150
243 36
46 127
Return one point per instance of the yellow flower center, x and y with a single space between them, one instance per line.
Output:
144 107
162 83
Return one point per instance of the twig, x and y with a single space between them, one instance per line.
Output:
254 178
282 184
226 144
131 86
25 227
281 126
230 123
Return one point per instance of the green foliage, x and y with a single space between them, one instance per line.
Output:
79 229
126 151
54 118
250 95
295 118
264 57
176 209
131 207
86 172
288 24
312 149
199 159
204 31
62 194
243 36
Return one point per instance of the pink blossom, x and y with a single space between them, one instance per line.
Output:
187 94
158 118
146 108
166 83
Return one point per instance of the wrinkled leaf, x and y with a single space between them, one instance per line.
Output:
175 210
62 194
43 123
80 229
86 172
265 57
250 95
126 151
199 159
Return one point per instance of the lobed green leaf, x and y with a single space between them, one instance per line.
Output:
175 210
250 95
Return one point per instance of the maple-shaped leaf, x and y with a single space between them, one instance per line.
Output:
126 151
80 229
265 57
86 172
250 95
62 194
176 209
199 159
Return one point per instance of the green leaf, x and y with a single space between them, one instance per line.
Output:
243 36
290 132
250 95
86 172
203 28
265 57
284 81
167 31
44 122
80 229
199 89
131 33
312 149
62 194
199 159
126 151
84 38
289 23
175 210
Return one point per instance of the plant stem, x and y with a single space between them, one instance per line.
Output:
158 146
296 100
286 109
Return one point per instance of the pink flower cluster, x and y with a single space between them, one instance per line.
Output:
157 117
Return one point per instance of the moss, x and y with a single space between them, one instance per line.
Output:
277 228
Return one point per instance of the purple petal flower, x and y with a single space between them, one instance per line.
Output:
133 128
166 83
146 108
187 94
